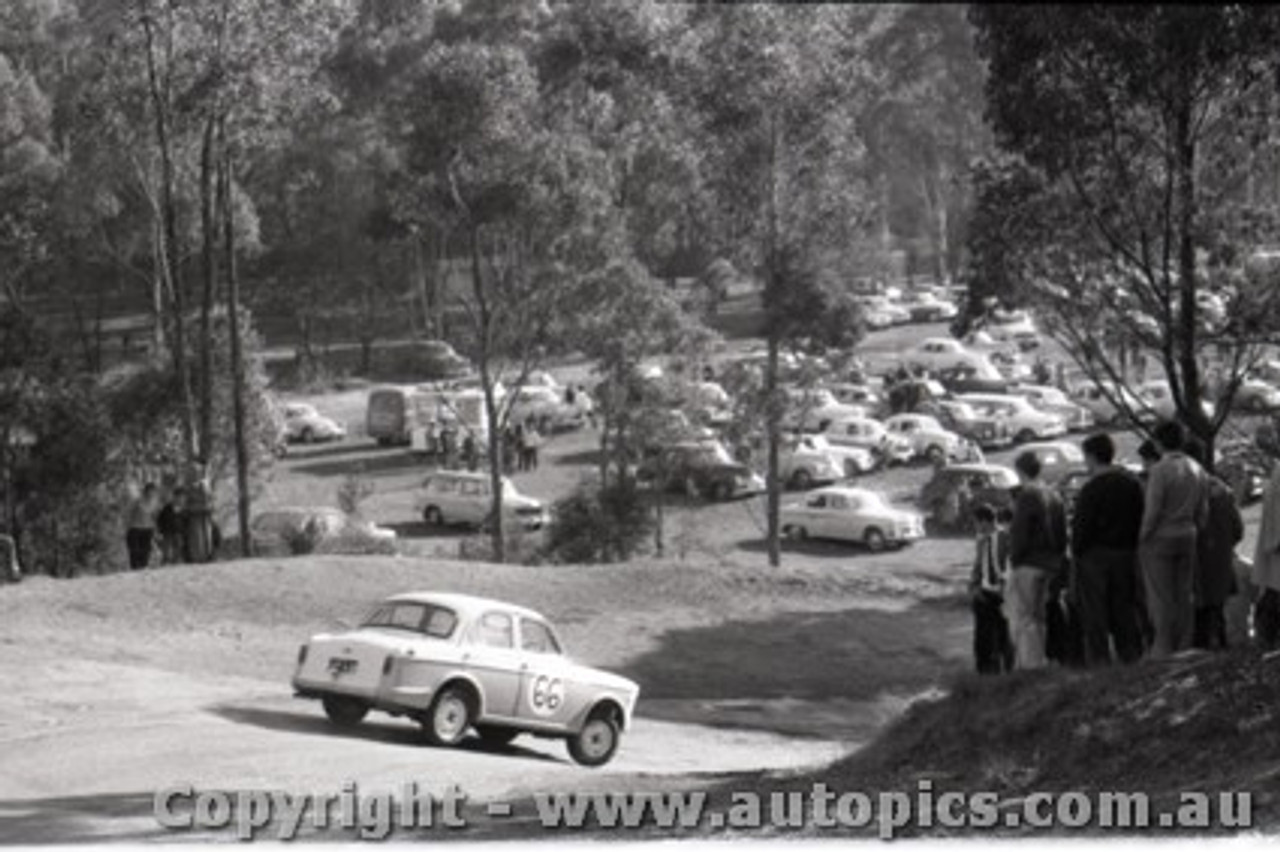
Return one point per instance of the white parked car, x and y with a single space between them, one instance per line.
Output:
464 497
928 439
1052 400
1026 422
1107 402
811 409
545 406
1159 398
851 514
303 423
869 435
1057 459
940 353
807 460
1255 395
299 530
454 663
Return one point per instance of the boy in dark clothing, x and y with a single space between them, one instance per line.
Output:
992 648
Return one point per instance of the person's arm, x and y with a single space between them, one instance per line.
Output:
1154 499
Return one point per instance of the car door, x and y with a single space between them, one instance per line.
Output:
495 662
547 693
473 503
836 518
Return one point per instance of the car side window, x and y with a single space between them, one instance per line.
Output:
537 637
494 630
472 489
818 502
838 502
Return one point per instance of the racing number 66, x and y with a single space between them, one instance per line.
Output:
547 694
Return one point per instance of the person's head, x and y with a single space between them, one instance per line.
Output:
1099 451
1169 436
149 491
1195 449
1149 453
1027 465
984 517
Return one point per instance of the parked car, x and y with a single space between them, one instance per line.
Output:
861 395
1026 422
454 663
700 469
304 424
300 530
1053 401
848 461
968 379
459 497
942 353
546 407
870 435
851 514
1107 402
1057 458
1256 396
811 409
953 490
1245 467
986 430
1159 397
1009 365
888 308
924 306
927 437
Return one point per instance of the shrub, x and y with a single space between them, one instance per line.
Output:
595 524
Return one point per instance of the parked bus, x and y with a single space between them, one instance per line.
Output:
404 415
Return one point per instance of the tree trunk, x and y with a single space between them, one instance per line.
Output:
773 485
208 254
237 357
1187 330
494 438
169 244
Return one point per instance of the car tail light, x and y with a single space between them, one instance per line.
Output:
302 655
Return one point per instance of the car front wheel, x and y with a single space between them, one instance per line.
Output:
344 712
875 540
596 743
449 717
432 516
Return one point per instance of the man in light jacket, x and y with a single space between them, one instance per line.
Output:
1176 507
1037 550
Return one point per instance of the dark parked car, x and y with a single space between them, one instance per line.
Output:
966 380
949 496
699 469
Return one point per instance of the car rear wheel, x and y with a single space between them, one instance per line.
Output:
1025 436
721 491
495 735
308 435
796 533
449 717
345 712
802 480
874 540
432 517
596 743
935 454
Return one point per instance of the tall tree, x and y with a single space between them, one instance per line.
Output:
1135 128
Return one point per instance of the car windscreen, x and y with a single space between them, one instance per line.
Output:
431 620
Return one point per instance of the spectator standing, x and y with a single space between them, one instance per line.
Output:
1215 577
141 527
1104 542
1037 550
522 447
171 525
1176 506
992 648
533 441
1266 568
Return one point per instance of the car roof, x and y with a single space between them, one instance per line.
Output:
464 605
845 491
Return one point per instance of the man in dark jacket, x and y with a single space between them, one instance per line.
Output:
1215 577
1104 541
1037 550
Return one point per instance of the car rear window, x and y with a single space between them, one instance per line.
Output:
431 620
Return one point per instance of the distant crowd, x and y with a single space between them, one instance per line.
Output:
1145 565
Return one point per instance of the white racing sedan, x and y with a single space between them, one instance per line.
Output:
851 514
454 662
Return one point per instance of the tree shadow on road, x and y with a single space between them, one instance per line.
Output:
388 464
71 819
392 731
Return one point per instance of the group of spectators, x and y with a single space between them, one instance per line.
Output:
170 529
1145 564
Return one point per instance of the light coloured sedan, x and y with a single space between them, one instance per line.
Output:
851 514
1053 401
304 424
1026 422
868 434
928 439
454 663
